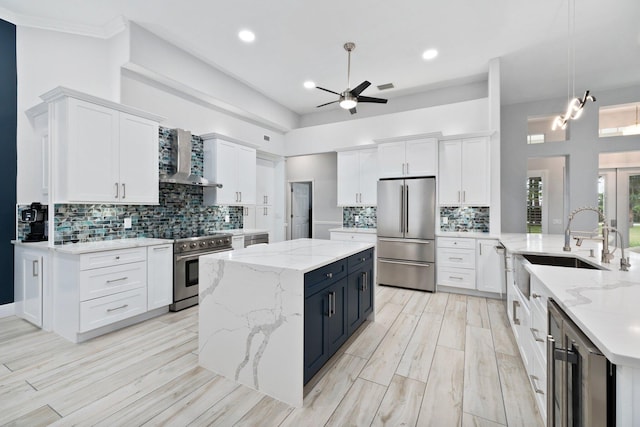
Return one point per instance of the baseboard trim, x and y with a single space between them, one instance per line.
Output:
7 310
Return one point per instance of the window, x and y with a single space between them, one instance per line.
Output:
534 204
539 130
619 120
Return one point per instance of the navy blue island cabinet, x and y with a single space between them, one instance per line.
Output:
338 297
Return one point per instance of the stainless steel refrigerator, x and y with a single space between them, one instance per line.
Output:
406 231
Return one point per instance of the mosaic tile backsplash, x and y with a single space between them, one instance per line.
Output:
366 217
181 212
467 218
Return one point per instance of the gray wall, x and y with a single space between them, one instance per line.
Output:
582 149
322 169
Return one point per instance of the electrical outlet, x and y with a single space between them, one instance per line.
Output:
127 223
444 219
226 218
356 218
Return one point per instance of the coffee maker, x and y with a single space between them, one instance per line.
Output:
36 216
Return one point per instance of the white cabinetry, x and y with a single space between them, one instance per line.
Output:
159 276
98 292
249 216
353 236
264 209
29 283
237 242
456 262
233 166
357 177
100 152
489 266
418 157
464 172
264 219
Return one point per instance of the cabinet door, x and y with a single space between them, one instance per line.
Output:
246 170
92 171
337 332
159 276
391 160
475 172
368 165
138 160
220 166
421 157
249 214
29 286
265 182
316 310
489 267
348 178
450 173
264 218
367 294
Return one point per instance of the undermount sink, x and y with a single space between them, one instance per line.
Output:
561 261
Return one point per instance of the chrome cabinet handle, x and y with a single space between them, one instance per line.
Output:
464 196
456 277
516 304
34 268
534 295
534 381
329 275
332 304
117 190
240 196
117 280
459 200
403 169
124 190
534 332
364 281
455 257
117 257
407 168
117 308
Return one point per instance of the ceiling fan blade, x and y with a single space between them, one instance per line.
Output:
327 90
370 99
322 105
353 110
358 89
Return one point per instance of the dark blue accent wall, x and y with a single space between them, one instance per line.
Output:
8 159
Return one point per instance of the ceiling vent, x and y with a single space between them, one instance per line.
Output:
266 138
386 86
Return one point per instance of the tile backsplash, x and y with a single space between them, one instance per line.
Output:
468 218
366 217
180 213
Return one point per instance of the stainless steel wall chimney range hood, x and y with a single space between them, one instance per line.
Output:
181 150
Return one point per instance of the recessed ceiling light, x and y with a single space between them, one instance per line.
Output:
246 36
309 84
429 54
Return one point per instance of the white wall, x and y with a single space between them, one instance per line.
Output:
450 119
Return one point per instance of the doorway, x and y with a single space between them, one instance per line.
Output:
545 194
300 210
619 199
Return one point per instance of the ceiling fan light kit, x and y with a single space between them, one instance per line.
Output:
349 98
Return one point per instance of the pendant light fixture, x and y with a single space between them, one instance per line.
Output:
575 105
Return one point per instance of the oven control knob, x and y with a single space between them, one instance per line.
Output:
203 244
212 242
184 246
220 241
193 244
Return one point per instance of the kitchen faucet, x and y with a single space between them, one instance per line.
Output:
606 254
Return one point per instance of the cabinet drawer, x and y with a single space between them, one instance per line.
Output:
353 237
459 243
100 282
355 261
462 258
103 311
458 277
538 378
318 279
539 329
110 258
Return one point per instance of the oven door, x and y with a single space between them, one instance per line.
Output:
185 276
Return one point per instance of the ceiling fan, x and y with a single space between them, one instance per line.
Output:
350 97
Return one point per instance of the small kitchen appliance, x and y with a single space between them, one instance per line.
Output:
36 216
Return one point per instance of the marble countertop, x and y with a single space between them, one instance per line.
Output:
104 245
603 303
469 234
301 255
355 230
245 231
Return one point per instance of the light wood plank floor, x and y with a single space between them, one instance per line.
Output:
428 360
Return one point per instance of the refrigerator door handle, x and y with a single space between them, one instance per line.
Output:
402 208
406 209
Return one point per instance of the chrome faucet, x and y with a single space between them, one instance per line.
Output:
624 261
606 254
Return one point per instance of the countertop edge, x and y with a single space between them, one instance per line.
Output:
89 247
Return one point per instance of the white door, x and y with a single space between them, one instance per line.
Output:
348 178
368 177
475 172
489 267
300 210
391 160
421 157
138 160
450 173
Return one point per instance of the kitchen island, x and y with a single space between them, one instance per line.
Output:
603 303
252 310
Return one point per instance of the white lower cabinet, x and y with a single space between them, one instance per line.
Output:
470 263
237 242
29 282
98 289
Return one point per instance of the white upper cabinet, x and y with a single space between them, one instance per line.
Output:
265 182
464 172
233 166
417 157
101 151
357 177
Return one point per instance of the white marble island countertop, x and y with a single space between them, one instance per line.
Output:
251 313
603 303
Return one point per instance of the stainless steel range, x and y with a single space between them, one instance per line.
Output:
185 265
